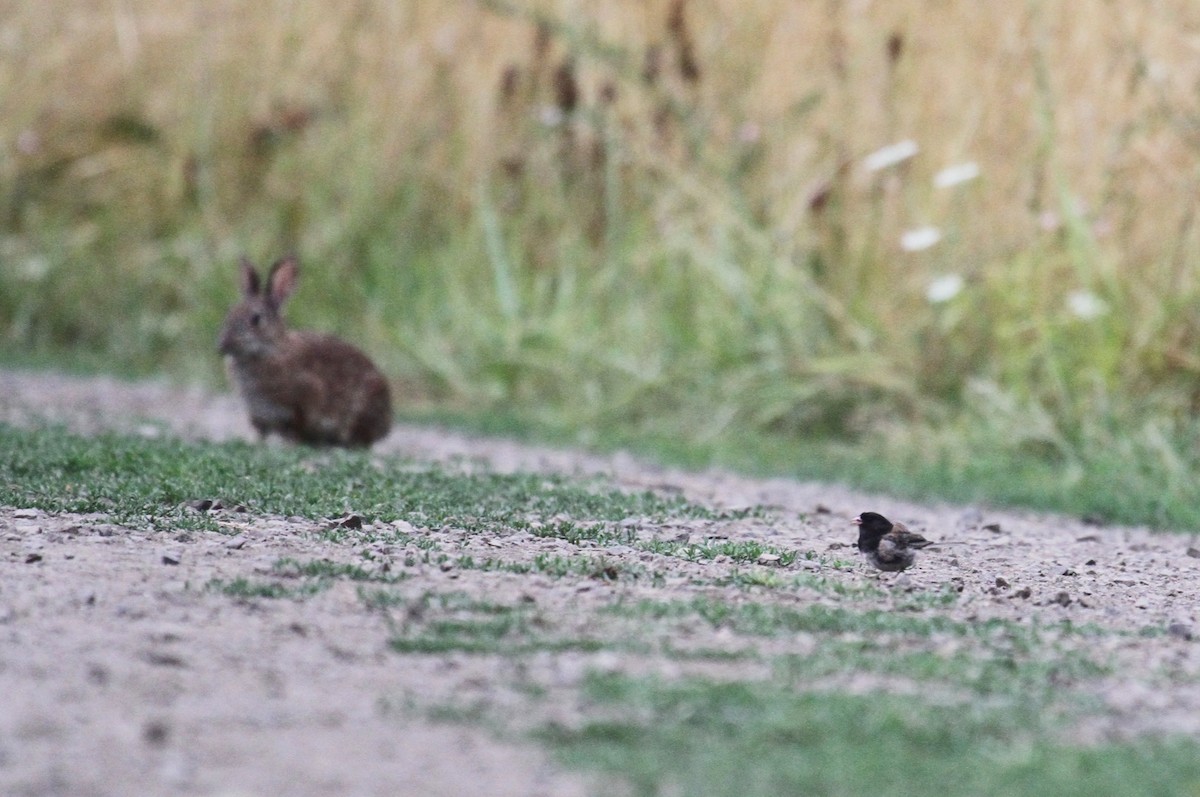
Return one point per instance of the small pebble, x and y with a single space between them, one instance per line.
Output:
164 659
155 733
172 558
1180 630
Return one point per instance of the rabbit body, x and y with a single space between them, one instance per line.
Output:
307 387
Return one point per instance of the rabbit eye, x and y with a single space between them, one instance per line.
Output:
255 319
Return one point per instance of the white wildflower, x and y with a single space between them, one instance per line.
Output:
944 288
890 155
920 238
749 133
550 115
1086 305
35 268
957 174
28 142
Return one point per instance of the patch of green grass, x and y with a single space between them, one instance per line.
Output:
246 588
148 480
450 622
996 658
325 570
750 579
314 576
772 578
576 533
470 635
383 598
495 637
742 551
834 586
906 617
704 738
920 600
767 619
597 567
991 669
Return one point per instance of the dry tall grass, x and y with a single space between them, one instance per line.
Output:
612 209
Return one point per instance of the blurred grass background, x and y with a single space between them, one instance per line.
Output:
940 248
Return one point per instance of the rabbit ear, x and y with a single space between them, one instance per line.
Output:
282 279
251 285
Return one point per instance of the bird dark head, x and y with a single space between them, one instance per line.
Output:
871 528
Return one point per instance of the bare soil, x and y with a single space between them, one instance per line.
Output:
120 674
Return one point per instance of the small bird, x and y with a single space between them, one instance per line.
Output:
888 546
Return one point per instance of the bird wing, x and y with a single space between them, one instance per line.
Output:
900 537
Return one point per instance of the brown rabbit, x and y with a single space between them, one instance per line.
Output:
306 386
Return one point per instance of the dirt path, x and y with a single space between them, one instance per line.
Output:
121 675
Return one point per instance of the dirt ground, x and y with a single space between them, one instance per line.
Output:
121 675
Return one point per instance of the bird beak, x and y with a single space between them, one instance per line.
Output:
857 521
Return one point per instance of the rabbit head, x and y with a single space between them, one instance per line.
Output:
254 328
